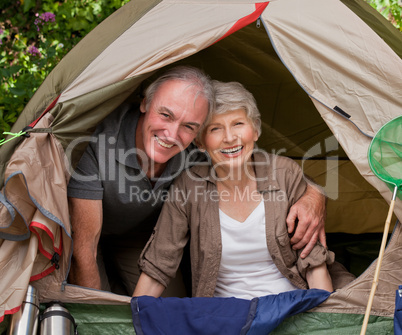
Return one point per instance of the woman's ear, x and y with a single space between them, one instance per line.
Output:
199 145
256 135
143 106
255 138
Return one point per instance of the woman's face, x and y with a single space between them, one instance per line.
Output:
229 138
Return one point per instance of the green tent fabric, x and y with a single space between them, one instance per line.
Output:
326 75
111 319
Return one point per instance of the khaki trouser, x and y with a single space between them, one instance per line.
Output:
117 262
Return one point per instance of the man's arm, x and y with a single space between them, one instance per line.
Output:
311 212
148 286
86 221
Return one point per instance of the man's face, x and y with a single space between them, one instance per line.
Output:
174 117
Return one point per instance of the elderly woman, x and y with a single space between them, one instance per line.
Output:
233 211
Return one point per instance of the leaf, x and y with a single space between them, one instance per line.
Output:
51 52
89 16
9 71
17 91
79 24
10 117
28 4
14 69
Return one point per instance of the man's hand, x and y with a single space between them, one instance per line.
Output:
86 221
311 212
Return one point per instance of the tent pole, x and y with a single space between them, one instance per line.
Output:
379 261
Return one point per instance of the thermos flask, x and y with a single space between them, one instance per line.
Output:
25 321
57 320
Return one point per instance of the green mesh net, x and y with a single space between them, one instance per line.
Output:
385 154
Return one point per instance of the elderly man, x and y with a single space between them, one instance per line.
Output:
120 183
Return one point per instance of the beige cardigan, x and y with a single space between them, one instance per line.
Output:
191 212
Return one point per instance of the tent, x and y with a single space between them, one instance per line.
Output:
326 74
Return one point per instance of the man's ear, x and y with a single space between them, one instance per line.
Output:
143 105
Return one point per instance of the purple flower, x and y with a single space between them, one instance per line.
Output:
44 17
37 22
33 51
48 17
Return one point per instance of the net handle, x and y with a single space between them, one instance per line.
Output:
380 257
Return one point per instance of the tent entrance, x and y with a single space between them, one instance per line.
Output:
291 126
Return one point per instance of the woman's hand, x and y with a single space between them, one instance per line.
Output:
148 286
319 278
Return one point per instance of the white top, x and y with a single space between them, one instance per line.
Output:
247 270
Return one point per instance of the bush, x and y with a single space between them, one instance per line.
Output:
34 37
390 9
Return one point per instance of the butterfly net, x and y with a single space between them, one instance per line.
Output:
385 154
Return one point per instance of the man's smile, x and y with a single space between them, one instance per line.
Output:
162 143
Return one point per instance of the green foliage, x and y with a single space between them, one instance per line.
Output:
34 37
390 9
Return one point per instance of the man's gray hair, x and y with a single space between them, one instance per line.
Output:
192 75
232 96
